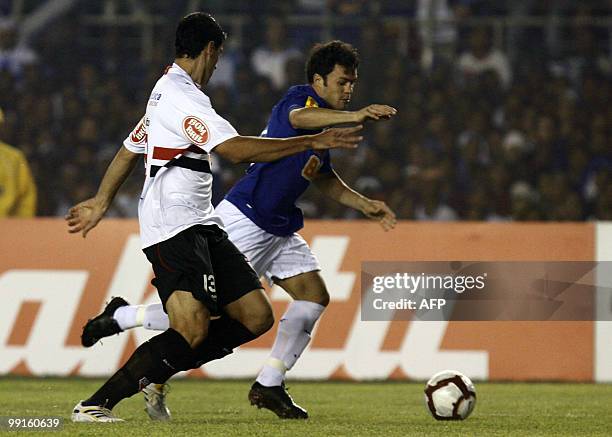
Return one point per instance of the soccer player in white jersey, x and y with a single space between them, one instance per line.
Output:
199 273
261 219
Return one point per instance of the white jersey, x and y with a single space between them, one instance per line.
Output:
177 133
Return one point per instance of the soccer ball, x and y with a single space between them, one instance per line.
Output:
450 395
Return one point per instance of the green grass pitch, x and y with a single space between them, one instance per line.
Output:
203 407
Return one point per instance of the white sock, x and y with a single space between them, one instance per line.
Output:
150 316
128 316
292 338
155 318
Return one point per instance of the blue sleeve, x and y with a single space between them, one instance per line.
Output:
294 102
279 125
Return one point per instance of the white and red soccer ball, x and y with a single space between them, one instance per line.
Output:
450 395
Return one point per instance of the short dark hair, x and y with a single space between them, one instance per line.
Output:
323 58
194 32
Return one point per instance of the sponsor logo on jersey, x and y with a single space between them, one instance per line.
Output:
154 99
195 129
139 135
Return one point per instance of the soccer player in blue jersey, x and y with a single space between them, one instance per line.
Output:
262 220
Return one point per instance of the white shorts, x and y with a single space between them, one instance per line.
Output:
270 255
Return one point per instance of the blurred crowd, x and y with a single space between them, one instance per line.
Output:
485 131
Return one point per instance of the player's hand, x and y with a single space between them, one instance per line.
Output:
375 112
344 138
378 210
84 216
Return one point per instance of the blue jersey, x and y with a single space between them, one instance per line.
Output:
269 190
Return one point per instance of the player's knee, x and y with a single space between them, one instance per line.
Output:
188 316
267 321
320 296
253 311
194 329
323 298
261 321
193 337
196 338
310 287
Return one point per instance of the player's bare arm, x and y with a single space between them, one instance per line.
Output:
375 112
334 187
258 149
84 216
319 118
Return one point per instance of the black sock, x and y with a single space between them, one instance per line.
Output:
154 361
224 334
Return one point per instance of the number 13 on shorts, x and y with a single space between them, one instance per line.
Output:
209 286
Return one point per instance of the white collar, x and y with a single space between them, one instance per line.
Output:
176 69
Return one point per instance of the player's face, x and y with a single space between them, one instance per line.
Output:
339 88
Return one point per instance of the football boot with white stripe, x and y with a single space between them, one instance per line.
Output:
93 413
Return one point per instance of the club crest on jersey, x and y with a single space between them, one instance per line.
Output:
310 170
311 103
195 129
139 135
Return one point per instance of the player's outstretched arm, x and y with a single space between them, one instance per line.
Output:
84 216
318 118
258 149
332 186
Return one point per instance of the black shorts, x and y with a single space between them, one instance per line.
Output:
202 260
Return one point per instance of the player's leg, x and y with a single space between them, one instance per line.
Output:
155 361
295 269
246 312
119 315
292 337
252 310
310 298
180 263
243 320
150 316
